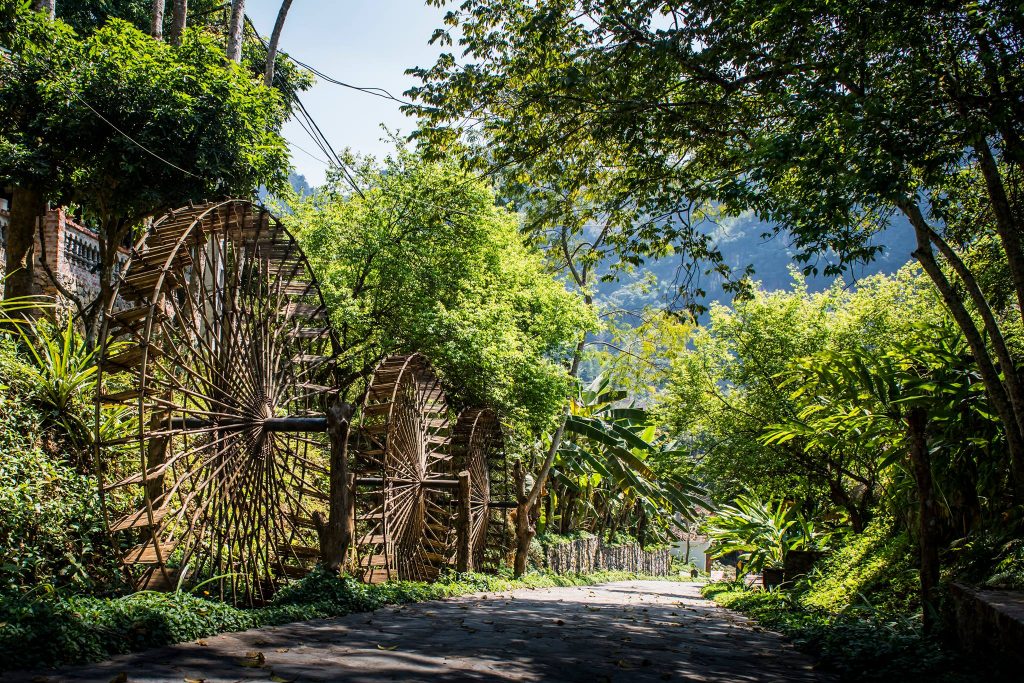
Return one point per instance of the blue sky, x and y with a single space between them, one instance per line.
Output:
362 42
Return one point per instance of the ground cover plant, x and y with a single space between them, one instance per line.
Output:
51 629
858 613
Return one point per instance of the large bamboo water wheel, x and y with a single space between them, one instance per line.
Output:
226 357
404 512
234 474
479 448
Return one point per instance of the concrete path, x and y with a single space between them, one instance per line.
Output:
630 631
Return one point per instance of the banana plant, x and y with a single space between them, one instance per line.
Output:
615 447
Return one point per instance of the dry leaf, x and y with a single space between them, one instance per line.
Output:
201 642
386 647
253 660
278 679
195 680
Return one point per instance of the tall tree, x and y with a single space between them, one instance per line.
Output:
236 30
422 259
187 128
275 39
825 119
29 169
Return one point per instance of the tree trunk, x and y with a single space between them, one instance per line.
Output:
928 521
235 31
156 28
180 16
275 39
1007 225
335 533
27 207
1011 378
525 532
531 499
113 231
994 386
48 6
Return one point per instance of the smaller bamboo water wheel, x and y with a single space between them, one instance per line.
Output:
478 447
404 477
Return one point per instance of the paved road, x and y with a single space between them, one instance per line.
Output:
630 631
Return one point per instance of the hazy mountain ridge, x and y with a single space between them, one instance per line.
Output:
741 243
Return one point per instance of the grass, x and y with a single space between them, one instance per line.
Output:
53 630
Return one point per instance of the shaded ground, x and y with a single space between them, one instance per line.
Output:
629 631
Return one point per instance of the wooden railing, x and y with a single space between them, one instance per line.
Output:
589 555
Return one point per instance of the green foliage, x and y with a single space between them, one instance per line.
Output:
52 533
858 611
61 373
762 532
857 648
50 630
423 260
724 391
192 125
989 558
607 461
871 572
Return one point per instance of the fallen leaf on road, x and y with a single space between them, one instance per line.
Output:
253 660
386 647
201 643
195 680
278 679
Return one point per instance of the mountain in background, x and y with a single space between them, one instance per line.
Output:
741 243
299 183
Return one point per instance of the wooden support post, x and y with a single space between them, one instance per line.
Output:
350 519
336 535
465 524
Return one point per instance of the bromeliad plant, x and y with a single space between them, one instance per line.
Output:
62 375
762 532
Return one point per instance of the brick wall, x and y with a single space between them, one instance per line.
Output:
71 252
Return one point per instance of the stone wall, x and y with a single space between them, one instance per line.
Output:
589 554
990 623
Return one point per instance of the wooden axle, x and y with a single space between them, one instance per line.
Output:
430 483
270 424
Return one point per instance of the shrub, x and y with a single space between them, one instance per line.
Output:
873 571
51 531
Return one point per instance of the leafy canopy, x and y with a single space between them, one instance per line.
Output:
188 124
424 260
